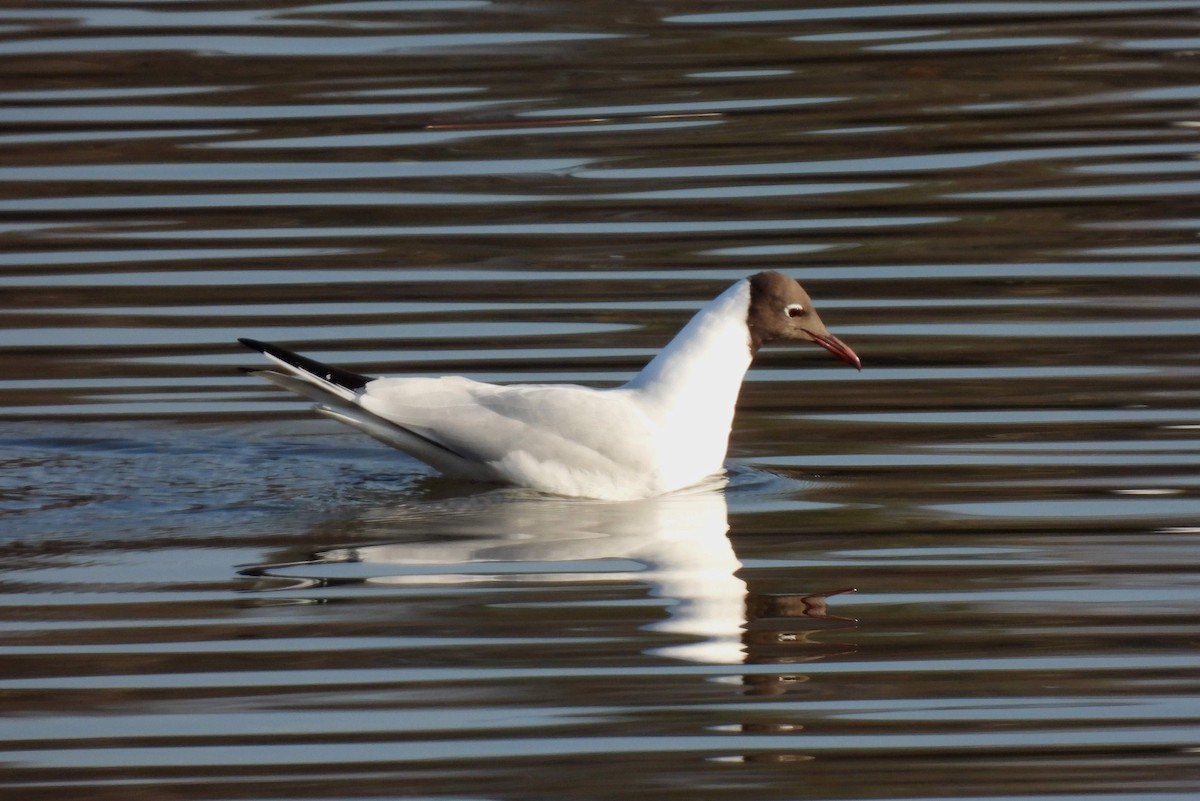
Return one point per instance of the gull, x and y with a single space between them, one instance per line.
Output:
664 430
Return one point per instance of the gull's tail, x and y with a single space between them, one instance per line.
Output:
337 391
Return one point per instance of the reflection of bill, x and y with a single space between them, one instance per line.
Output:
676 545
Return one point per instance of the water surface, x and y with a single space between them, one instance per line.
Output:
971 571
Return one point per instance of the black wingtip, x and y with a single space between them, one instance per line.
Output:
254 344
343 378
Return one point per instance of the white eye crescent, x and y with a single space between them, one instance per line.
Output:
795 310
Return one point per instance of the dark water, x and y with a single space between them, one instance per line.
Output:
971 571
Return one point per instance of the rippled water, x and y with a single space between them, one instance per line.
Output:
970 571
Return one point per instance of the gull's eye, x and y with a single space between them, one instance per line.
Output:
796 310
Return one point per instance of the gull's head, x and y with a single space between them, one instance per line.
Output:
780 309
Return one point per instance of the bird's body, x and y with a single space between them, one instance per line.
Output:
665 429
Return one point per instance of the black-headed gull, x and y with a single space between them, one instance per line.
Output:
666 429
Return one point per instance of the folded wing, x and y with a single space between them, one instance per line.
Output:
566 439
552 437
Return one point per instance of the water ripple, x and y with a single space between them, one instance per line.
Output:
971 567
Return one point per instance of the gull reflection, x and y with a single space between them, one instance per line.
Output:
676 546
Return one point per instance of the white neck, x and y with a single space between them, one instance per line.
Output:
703 366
